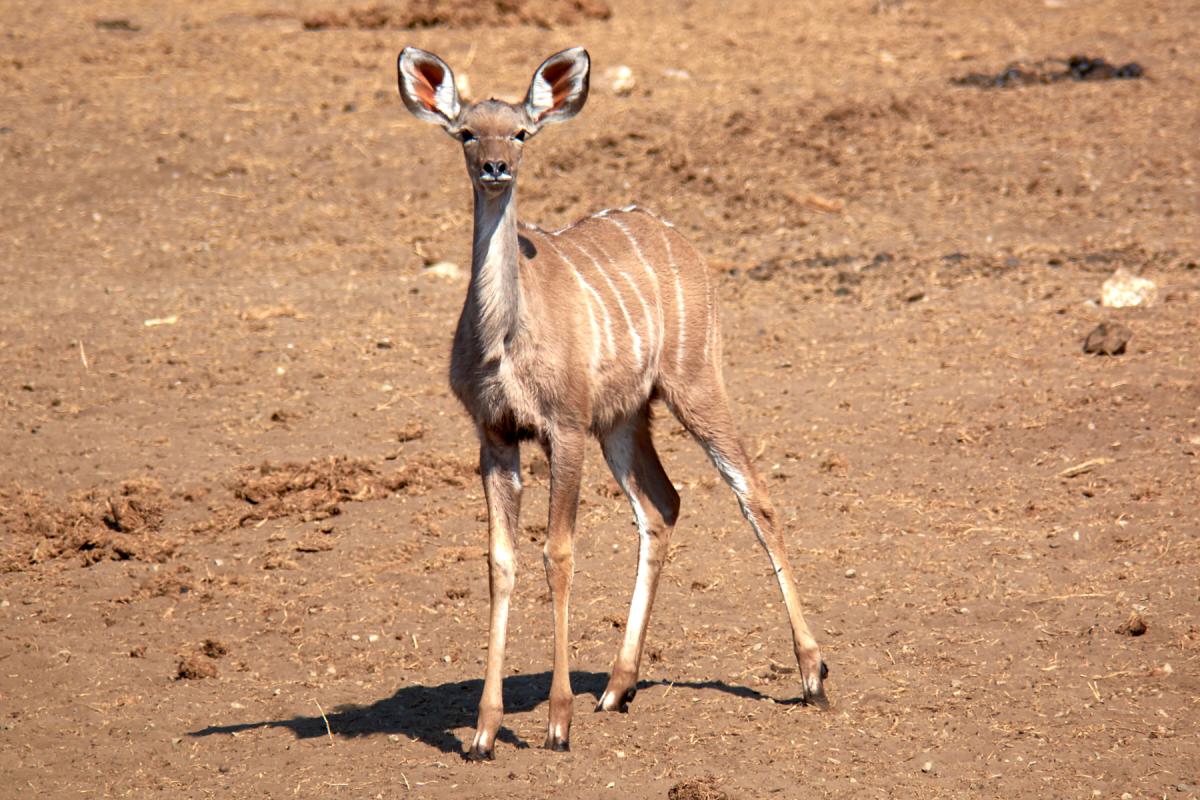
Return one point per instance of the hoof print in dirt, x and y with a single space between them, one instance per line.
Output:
698 789
192 668
1107 339
1051 70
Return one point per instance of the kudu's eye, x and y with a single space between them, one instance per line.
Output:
466 136
521 135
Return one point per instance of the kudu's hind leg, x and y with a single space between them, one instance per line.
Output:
630 454
704 410
500 468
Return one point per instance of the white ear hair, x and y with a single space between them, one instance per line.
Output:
427 86
559 87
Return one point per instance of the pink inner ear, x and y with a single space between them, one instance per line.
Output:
428 76
556 75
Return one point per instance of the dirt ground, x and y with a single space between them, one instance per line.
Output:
241 533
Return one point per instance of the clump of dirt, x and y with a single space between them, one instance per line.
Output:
460 14
1134 626
98 525
1052 70
316 490
1107 339
194 667
698 789
213 648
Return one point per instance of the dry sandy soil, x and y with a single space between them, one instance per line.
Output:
241 533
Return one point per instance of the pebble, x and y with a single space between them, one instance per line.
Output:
850 573
927 767
620 78
445 270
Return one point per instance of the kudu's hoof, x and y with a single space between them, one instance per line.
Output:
621 706
558 745
816 697
479 754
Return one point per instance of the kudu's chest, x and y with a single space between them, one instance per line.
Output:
499 387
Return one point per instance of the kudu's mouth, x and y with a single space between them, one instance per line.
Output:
495 182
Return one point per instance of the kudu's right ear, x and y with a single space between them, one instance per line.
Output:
427 86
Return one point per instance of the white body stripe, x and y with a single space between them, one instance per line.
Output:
652 281
680 309
591 298
634 338
610 345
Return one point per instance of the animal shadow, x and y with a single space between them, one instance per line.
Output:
431 714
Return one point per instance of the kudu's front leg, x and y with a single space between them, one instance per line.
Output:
500 468
565 450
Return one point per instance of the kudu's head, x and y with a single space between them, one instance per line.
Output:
493 132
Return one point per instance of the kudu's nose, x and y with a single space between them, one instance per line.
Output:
495 169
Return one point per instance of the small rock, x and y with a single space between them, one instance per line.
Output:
409 432
1107 339
445 270
850 573
1124 289
927 767
620 78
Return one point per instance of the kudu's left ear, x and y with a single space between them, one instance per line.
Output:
559 87
427 86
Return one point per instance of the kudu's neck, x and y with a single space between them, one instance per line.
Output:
494 294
